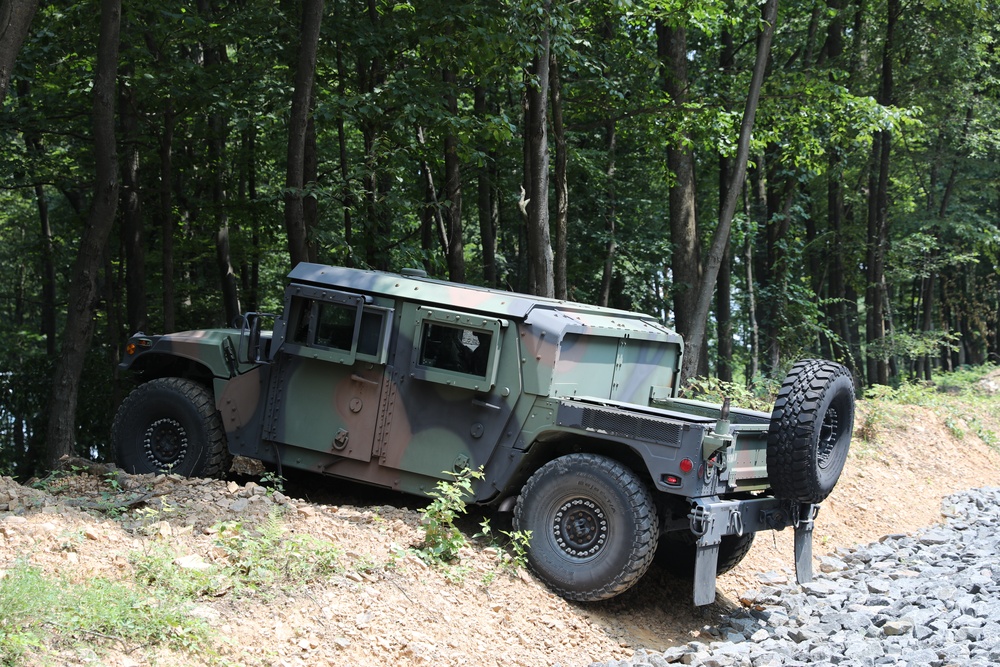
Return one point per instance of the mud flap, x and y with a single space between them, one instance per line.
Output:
803 543
706 563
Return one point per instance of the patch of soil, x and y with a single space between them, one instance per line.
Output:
387 607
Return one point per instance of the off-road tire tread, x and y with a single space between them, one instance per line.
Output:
790 463
641 506
731 558
217 459
677 552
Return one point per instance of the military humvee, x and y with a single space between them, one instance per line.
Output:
571 411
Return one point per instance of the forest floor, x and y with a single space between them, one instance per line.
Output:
369 600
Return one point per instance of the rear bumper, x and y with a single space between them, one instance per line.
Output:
711 519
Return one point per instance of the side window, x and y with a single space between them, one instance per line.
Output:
338 327
301 314
374 334
457 349
335 326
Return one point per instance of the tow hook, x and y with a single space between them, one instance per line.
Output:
701 520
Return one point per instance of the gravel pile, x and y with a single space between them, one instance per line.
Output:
927 599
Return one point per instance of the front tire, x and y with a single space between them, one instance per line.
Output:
593 526
170 425
810 430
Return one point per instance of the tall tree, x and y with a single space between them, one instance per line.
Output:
455 251
133 230
15 21
305 75
83 293
685 259
721 236
539 253
560 183
878 215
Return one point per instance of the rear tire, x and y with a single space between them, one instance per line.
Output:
593 526
170 425
676 553
810 431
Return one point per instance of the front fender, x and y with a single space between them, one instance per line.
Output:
213 349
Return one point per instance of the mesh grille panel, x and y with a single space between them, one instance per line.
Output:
614 422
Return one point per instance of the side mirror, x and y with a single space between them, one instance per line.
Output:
253 346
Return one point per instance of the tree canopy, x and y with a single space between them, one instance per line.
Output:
587 151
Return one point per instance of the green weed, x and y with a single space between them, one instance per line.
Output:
442 539
264 557
512 551
40 613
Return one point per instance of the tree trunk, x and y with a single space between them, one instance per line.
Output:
685 262
539 241
223 259
215 55
721 236
561 185
15 22
453 185
377 183
298 122
486 203
83 294
610 213
133 233
723 291
347 193
167 217
878 222
310 174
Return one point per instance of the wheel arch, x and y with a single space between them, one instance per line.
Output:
550 446
154 365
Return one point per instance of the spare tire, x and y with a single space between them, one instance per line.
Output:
810 430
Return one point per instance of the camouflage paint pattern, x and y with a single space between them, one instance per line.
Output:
393 380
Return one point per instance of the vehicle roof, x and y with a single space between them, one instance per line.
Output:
442 293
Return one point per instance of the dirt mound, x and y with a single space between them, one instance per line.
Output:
385 606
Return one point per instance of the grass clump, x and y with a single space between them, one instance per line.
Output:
262 557
40 613
249 559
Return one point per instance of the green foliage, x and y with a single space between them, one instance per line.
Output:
874 414
380 123
39 614
958 397
156 567
442 539
513 550
759 395
273 481
265 557
255 560
911 345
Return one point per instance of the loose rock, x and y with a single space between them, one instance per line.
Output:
867 608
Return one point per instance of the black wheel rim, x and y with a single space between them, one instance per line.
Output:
580 528
829 432
165 442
